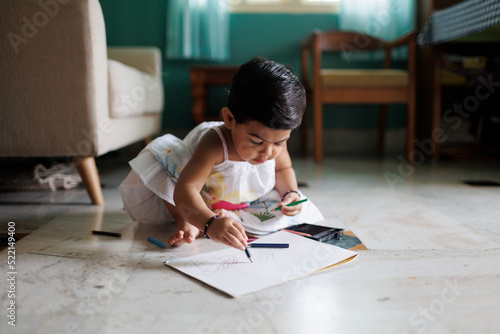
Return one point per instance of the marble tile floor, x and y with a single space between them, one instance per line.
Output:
432 264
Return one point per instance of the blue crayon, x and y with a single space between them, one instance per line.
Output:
264 245
156 242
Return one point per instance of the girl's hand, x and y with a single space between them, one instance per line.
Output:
290 210
228 231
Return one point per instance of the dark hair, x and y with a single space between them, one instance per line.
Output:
267 92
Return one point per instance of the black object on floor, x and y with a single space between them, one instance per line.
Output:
303 184
482 183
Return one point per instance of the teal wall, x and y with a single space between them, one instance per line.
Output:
274 36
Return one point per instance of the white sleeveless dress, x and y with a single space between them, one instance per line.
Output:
156 169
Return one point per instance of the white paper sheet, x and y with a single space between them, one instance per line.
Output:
230 271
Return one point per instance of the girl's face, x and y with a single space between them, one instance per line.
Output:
255 142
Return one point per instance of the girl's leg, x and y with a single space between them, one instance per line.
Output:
186 233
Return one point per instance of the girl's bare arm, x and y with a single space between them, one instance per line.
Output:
287 181
191 205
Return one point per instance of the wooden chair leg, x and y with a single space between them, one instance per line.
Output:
318 130
88 171
304 128
410 131
200 101
382 127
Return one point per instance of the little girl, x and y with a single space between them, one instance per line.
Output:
207 181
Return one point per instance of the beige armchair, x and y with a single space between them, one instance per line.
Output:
63 93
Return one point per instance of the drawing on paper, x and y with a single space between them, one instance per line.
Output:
216 264
230 271
262 215
265 256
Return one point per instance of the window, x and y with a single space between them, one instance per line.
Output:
284 6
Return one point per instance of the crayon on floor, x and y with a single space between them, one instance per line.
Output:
111 234
156 242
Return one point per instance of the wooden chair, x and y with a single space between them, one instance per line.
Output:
352 86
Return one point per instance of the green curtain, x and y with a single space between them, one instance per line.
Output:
384 19
198 29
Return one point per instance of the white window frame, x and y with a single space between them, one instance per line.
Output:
283 6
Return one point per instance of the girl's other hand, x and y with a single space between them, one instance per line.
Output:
290 210
228 231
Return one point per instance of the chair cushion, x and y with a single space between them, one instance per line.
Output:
364 78
132 92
